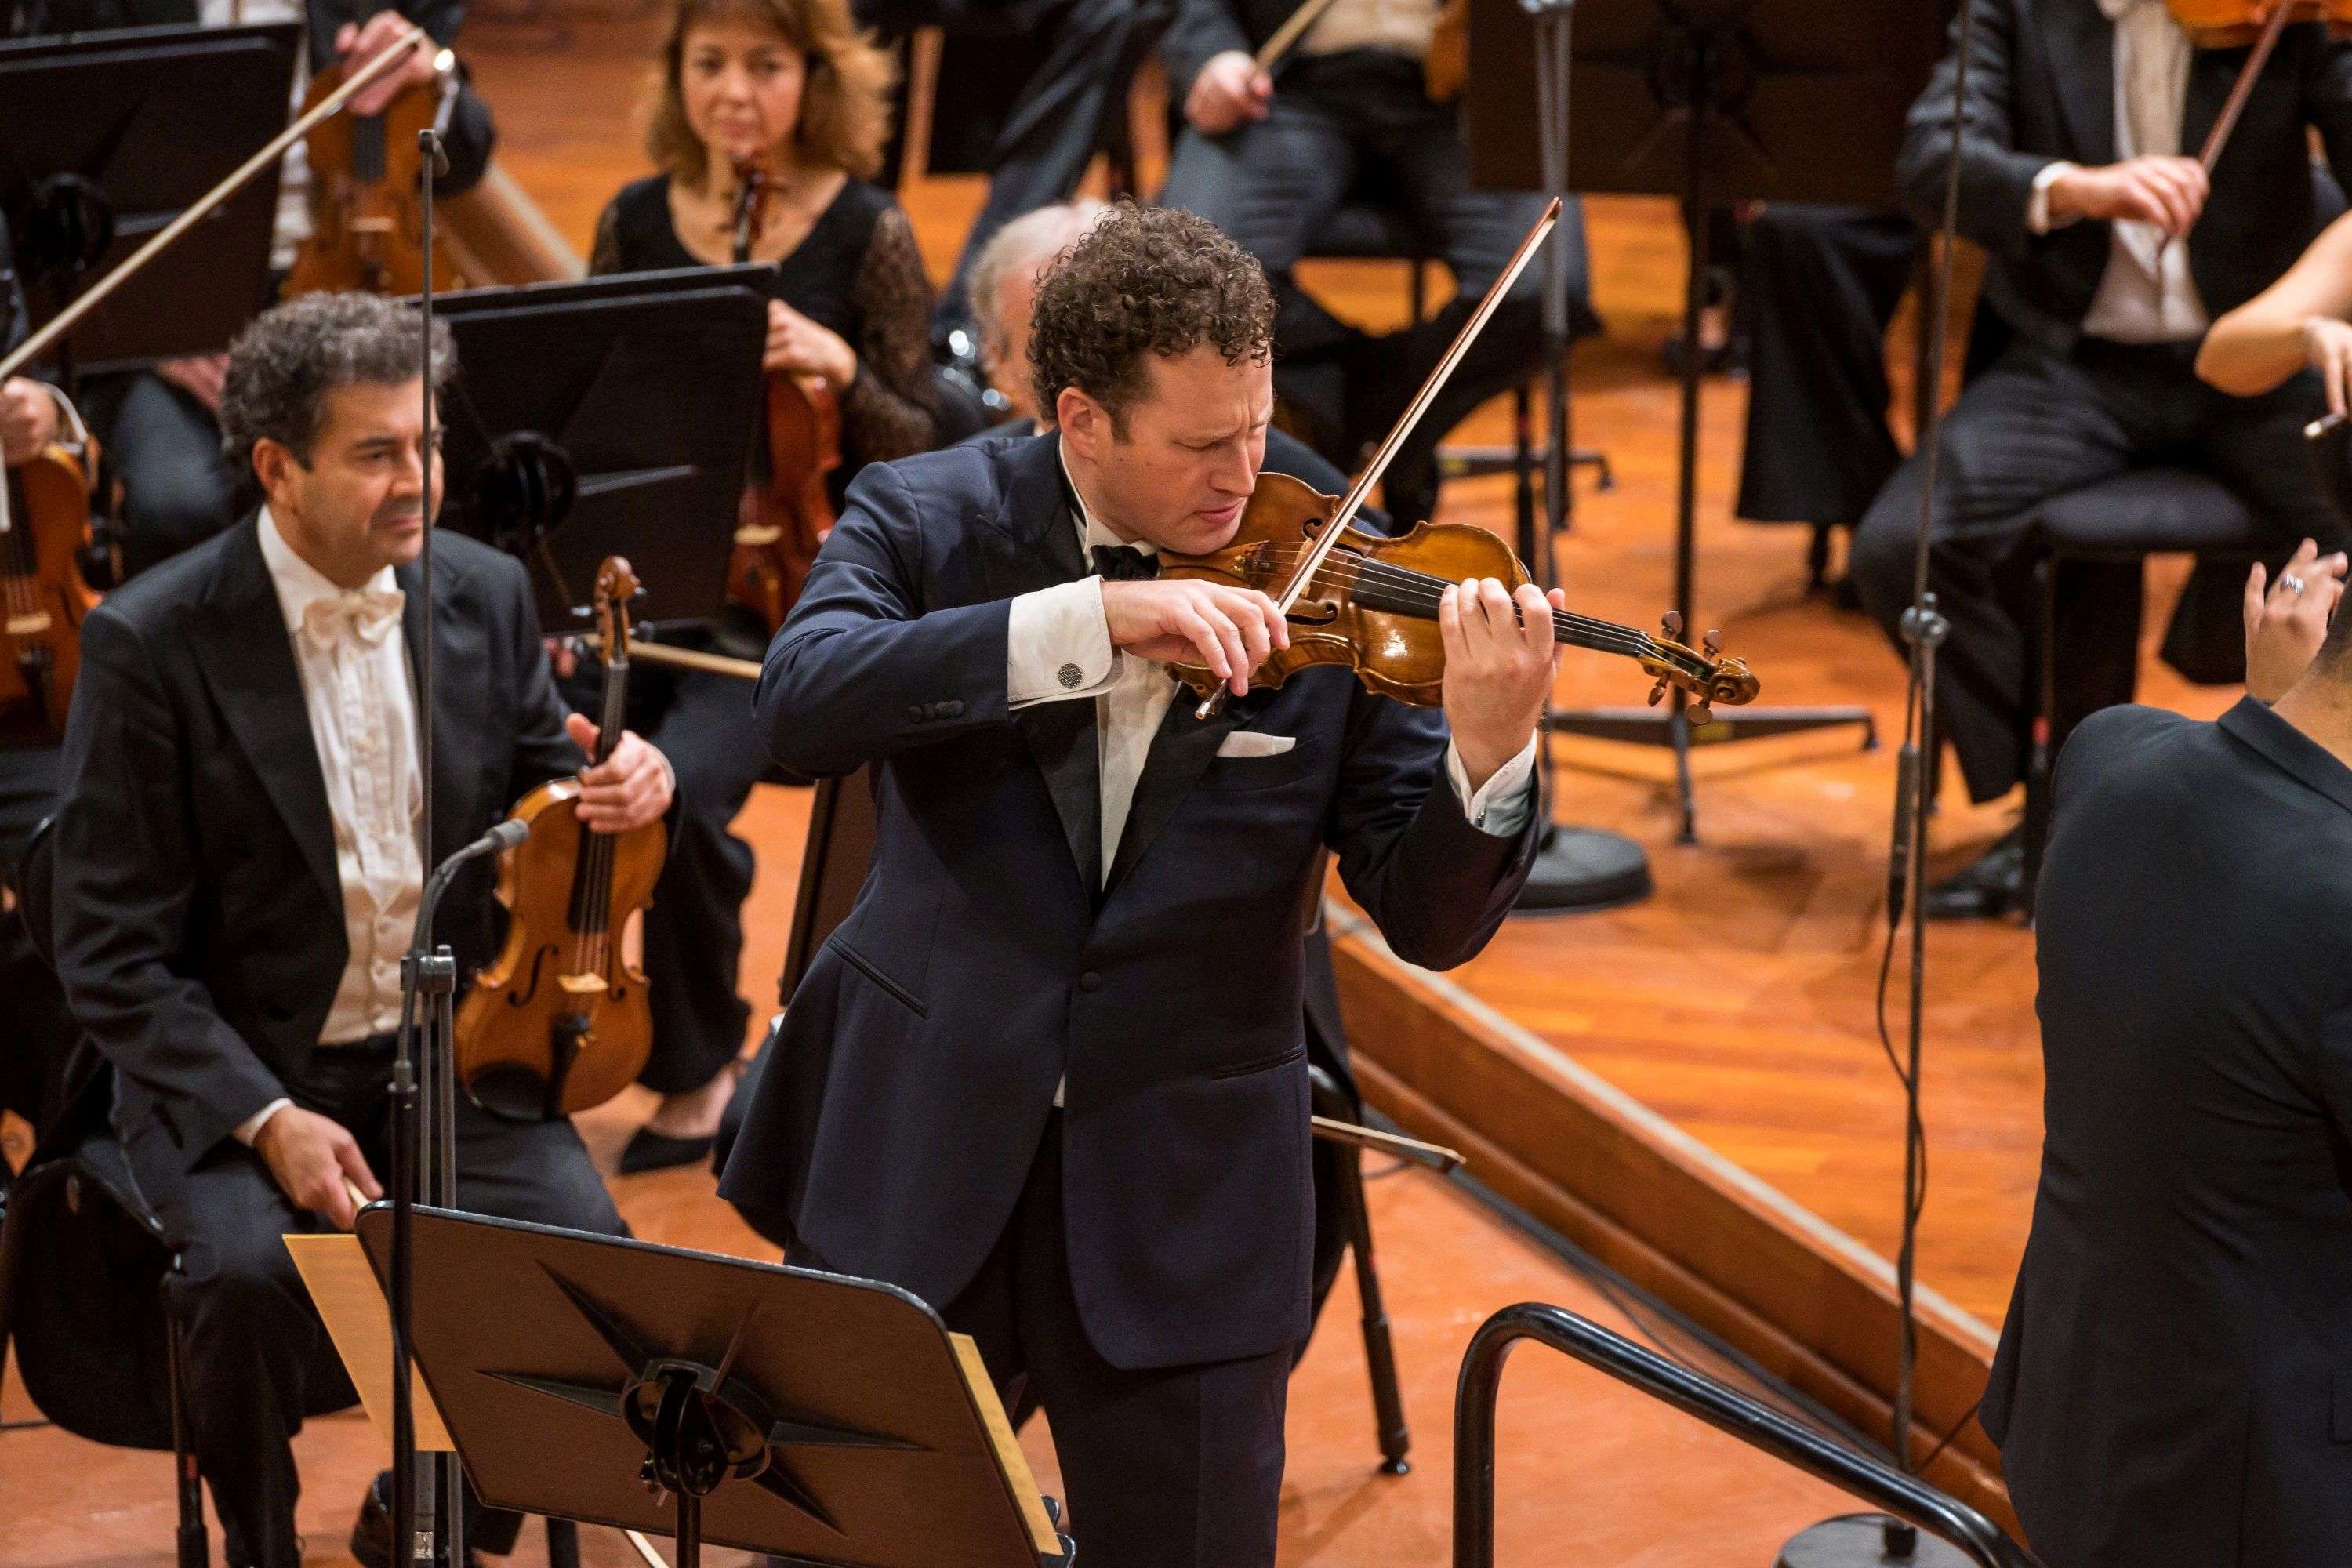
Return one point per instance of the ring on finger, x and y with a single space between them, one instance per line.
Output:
2291 582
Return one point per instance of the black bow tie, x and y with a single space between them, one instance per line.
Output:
1125 564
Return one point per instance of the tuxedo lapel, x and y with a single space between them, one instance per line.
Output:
1181 750
1032 543
2080 42
461 664
242 646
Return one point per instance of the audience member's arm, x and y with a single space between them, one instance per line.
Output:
2296 321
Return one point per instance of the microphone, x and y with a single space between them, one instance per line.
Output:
506 836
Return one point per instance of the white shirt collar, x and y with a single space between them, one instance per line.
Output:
300 583
1091 530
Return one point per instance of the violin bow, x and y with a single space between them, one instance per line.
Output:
1311 559
2227 121
1294 27
65 321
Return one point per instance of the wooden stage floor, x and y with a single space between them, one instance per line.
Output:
1736 1002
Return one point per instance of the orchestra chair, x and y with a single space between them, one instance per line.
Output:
2122 520
1369 228
84 1265
85 1271
1346 1166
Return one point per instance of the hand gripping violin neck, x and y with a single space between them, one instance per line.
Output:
1370 604
559 1023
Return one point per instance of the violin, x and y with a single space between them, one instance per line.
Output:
45 530
367 223
787 513
560 1022
1371 603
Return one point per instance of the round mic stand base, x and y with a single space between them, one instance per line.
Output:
1582 869
1868 1541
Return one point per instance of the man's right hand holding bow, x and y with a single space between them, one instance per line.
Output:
1232 630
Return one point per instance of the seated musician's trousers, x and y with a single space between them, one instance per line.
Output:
35 1030
2036 424
259 1359
1360 127
1173 1467
1818 285
694 928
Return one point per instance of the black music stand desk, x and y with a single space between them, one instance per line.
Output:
608 417
819 1420
106 138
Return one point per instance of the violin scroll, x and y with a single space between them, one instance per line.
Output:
1705 675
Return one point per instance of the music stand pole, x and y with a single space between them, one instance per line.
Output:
1575 867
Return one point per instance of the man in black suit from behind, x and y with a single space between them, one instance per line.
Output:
237 867
1048 1073
2174 1384
2110 252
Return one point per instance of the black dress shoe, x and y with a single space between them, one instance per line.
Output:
1992 888
371 1531
647 1149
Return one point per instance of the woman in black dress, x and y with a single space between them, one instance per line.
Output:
791 88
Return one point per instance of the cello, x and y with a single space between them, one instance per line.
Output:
560 1022
786 513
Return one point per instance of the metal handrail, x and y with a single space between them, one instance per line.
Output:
1720 1405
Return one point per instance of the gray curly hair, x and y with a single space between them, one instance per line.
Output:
286 362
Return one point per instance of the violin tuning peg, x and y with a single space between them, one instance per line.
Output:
1701 715
1712 644
1657 693
1673 622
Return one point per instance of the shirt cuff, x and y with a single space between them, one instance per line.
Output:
2037 205
1503 801
1057 646
247 1130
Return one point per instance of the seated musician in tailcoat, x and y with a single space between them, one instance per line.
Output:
237 867
1048 1073
162 428
1271 158
2111 251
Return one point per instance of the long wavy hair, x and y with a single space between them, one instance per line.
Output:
844 107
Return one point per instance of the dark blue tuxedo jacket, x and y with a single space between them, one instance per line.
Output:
897 1119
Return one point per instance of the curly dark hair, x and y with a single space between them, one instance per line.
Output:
281 367
1144 280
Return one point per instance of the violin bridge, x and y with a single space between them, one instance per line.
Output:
28 624
581 984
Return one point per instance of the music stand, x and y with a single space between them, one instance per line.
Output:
1710 101
609 417
820 1419
106 137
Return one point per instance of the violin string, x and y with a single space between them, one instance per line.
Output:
1380 571
1424 593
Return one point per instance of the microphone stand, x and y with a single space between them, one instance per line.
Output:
1882 1538
428 1519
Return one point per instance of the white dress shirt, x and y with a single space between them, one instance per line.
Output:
1394 26
353 665
2147 294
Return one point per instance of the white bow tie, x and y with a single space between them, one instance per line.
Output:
368 614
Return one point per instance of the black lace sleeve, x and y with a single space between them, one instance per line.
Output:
888 412
605 256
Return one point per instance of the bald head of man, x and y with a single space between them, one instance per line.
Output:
1004 291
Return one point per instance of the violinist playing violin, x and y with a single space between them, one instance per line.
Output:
1048 1073
789 93
238 867
162 428
2113 247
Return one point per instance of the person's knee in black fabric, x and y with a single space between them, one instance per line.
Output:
1882 558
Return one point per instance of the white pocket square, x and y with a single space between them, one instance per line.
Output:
1255 744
